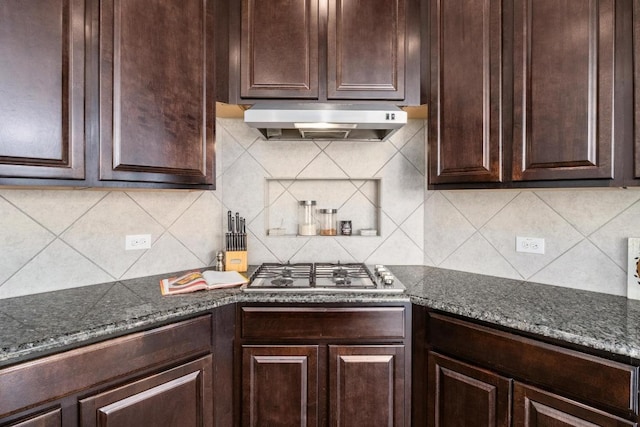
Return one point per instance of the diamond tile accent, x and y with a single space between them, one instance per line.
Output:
414 227
398 249
21 238
244 185
480 206
402 188
476 255
414 150
360 159
167 254
200 228
270 155
407 132
165 206
283 213
587 210
57 267
322 249
585 267
445 228
100 233
228 150
321 167
240 132
612 237
54 209
529 216
328 194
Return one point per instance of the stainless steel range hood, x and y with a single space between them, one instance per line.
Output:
300 121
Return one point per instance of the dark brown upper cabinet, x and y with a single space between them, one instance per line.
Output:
529 93
466 108
636 56
42 89
107 93
564 53
319 50
157 102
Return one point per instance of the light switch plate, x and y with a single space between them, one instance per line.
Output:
633 268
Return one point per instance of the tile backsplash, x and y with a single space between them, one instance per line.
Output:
56 239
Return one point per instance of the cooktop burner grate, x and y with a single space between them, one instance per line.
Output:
310 277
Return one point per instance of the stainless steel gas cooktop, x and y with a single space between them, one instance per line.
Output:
323 277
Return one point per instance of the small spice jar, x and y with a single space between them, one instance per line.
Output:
327 219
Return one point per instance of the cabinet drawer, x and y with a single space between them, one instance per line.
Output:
604 383
312 323
88 366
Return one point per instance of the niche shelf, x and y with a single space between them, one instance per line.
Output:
357 200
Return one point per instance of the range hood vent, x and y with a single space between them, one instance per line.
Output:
353 122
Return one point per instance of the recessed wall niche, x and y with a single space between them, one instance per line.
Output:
357 200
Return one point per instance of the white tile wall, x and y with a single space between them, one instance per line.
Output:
56 239
585 232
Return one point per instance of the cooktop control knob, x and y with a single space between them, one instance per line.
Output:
388 279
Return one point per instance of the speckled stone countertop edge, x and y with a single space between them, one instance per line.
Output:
539 310
545 331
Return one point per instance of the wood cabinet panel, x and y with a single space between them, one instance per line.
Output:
603 383
537 408
279 49
280 385
269 323
466 88
88 366
563 89
51 418
42 89
157 101
180 397
366 385
636 74
462 395
366 49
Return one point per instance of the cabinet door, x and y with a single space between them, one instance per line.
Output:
279 49
636 74
157 103
563 89
42 89
51 418
466 87
367 385
280 385
366 49
537 408
463 395
180 397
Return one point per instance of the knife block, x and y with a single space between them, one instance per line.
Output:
236 261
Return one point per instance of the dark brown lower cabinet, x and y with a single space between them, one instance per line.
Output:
280 385
464 395
320 365
537 408
476 375
51 418
366 385
179 397
159 377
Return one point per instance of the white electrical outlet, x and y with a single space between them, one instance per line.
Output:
533 245
134 242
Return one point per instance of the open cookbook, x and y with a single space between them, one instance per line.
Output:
198 281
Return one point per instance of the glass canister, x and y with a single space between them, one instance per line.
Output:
307 218
328 225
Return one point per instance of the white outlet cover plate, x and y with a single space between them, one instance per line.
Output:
633 268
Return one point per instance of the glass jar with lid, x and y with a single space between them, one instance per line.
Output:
328 224
307 218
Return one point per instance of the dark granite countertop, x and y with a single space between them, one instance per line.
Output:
41 324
